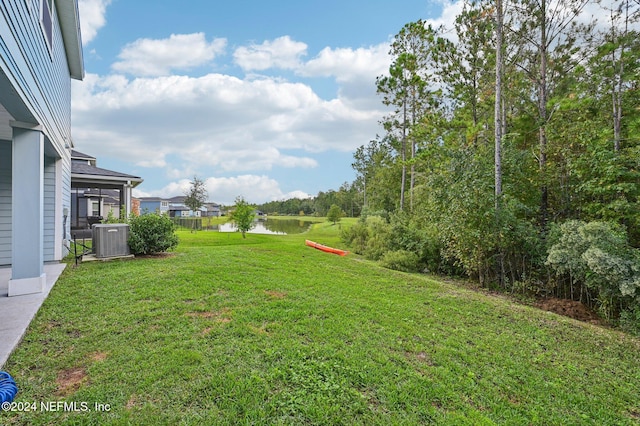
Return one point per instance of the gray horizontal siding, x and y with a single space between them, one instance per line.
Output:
40 75
49 209
5 202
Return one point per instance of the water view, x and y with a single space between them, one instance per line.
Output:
271 226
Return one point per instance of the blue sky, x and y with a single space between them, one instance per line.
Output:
263 99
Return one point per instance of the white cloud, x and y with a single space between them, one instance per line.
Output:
148 57
92 18
450 11
220 125
349 65
214 121
283 53
295 194
224 190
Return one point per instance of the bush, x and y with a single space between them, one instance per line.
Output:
401 260
151 233
630 320
597 255
407 235
379 237
356 237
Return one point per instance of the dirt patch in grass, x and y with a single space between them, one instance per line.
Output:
634 413
52 324
132 402
568 308
262 329
70 380
218 316
275 294
99 356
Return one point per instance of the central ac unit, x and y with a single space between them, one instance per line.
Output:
111 240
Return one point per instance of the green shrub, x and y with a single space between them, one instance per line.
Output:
630 320
379 237
401 260
598 256
408 235
356 237
151 233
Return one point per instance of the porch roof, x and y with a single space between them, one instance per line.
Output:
84 175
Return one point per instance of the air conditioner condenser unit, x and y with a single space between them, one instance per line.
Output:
111 240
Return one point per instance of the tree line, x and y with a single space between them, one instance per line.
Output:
511 154
347 197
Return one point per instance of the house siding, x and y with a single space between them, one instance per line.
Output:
49 209
35 88
65 196
40 75
5 202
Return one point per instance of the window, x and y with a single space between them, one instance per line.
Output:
46 20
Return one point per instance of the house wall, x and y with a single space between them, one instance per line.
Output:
37 74
5 202
49 209
151 207
35 88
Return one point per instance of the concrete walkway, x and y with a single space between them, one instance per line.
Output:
17 312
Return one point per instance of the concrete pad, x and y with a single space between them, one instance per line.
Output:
16 312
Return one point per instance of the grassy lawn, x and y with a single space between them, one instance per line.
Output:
265 330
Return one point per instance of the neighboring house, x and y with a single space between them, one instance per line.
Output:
96 192
213 210
175 207
181 211
154 205
40 53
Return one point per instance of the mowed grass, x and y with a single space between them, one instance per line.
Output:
265 330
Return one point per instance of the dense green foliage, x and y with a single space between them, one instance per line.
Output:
563 156
151 233
597 256
268 331
346 197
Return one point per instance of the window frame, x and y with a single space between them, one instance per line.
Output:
46 17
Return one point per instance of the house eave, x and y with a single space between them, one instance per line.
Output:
84 179
68 16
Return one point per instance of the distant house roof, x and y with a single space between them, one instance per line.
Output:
77 155
151 199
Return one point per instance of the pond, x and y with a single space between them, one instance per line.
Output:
271 226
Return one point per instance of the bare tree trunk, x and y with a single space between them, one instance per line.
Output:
618 83
498 137
498 104
404 154
542 116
